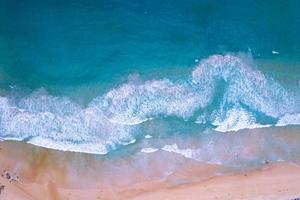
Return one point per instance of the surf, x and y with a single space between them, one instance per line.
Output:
224 93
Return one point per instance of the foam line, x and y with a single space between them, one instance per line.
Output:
223 91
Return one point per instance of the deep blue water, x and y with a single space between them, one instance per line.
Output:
104 73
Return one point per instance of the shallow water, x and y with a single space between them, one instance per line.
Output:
98 76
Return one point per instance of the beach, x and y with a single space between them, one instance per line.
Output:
149 100
38 173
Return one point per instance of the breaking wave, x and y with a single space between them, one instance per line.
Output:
225 93
58 123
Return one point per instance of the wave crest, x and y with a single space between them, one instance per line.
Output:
225 92
219 86
59 124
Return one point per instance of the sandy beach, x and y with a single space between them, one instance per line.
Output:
34 173
149 100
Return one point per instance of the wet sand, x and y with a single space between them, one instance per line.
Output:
37 173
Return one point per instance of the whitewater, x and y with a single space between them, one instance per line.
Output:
224 93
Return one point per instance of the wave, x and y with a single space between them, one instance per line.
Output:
224 92
236 119
58 123
135 103
289 119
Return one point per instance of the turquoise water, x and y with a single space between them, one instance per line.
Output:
57 45
95 76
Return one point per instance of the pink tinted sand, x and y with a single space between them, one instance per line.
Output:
50 175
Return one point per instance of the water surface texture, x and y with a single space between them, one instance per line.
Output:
99 76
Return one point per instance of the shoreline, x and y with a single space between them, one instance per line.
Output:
39 173
277 181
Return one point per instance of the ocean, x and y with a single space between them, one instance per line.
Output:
200 78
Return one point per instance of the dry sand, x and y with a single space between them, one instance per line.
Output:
48 175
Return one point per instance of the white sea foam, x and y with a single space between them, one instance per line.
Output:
236 119
136 103
188 153
60 124
275 52
111 119
244 85
200 120
129 142
148 136
86 147
289 119
149 150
